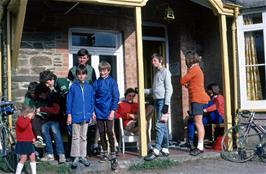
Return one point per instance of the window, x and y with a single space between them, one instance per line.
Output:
102 45
252 60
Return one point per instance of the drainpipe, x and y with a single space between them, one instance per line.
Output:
235 62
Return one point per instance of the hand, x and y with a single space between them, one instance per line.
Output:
204 110
165 109
69 119
94 117
38 110
111 115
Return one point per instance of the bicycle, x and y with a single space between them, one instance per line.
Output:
7 140
244 141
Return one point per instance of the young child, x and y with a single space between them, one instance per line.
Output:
106 101
80 107
194 81
162 91
25 139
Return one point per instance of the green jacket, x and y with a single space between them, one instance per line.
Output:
62 86
91 76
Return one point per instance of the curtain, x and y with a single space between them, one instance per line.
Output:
253 82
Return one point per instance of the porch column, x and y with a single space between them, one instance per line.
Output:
142 117
9 90
225 71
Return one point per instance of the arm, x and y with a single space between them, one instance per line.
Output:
53 109
23 123
168 88
70 75
69 101
185 79
115 96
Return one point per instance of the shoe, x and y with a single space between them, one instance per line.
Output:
189 145
84 161
75 162
164 154
104 158
48 157
39 142
196 152
114 164
150 156
62 158
117 150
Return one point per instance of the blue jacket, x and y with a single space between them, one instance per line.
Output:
106 97
80 102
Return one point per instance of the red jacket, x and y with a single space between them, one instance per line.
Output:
194 81
125 108
218 104
24 131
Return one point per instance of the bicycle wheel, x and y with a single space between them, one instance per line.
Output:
8 149
239 143
263 153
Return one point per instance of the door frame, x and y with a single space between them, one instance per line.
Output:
165 40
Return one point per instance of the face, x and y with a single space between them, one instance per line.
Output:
83 59
156 63
81 76
49 83
104 72
130 97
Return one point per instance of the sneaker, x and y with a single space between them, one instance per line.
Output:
39 142
150 156
84 161
117 150
75 162
196 152
114 164
104 158
48 157
189 145
62 158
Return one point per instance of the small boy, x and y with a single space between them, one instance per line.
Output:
80 107
106 103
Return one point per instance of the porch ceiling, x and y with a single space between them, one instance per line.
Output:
121 3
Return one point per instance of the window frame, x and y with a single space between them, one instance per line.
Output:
241 29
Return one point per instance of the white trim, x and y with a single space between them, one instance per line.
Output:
241 29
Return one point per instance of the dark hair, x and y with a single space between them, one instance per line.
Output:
31 88
83 52
129 90
104 65
41 89
47 75
214 87
192 57
157 56
81 69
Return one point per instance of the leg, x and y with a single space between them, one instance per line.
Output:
110 134
32 163
190 130
22 160
83 140
58 138
102 132
37 126
47 137
160 126
75 151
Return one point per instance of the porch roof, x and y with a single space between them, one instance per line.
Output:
121 3
248 3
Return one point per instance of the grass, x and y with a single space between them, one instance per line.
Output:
43 167
156 164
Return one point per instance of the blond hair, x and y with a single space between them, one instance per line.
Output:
25 110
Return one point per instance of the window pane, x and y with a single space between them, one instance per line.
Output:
98 39
153 31
256 82
254 48
252 18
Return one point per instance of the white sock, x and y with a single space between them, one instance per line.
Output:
165 150
200 145
33 167
19 168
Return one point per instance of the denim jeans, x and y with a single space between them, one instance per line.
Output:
52 126
162 134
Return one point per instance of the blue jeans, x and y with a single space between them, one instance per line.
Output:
52 126
162 134
208 118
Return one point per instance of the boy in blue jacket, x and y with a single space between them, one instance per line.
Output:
106 102
80 107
